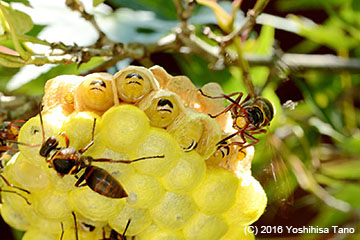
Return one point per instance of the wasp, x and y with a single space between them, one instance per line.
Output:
250 116
69 161
9 132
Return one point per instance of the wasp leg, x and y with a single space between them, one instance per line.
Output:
62 231
76 230
80 180
11 185
92 139
125 161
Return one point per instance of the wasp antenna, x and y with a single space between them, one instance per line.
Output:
10 191
93 130
41 121
21 143
144 158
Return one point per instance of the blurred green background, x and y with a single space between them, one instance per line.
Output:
309 161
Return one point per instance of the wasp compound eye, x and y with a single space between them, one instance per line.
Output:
46 148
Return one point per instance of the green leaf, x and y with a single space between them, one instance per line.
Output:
355 5
328 35
199 72
25 2
342 169
286 5
21 21
97 2
348 192
126 25
351 145
163 8
265 40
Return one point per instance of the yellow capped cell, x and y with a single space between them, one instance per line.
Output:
18 199
153 232
48 226
61 184
52 204
216 193
78 128
139 220
70 234
143 191
92 205
205 227
122 127
186 174
237 232
31 133
157 142
31 176
37 234
173 211
250 202
15 218
119 171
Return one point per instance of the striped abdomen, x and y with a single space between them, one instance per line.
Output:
103 183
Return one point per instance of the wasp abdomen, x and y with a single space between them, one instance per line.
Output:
100 181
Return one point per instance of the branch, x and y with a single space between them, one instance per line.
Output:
78 6
18 107
304 62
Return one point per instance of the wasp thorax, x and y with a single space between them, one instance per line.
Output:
133 83
240 122
95 93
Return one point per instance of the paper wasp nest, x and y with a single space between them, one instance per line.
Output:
191 191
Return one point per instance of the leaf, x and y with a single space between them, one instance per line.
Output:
342 169
224 19
199 72
25 2
97 2
328 216
8 51
329 35
21 21
62 24
351 145
288 6
164 9
126 25
2 29
355 5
